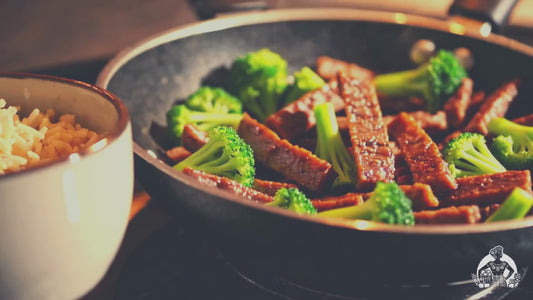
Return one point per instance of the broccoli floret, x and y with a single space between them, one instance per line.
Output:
387 204
179 115
513 144
433 81
213 99
293 199
516 206
330 146
468 155
259 80
225 154
305 80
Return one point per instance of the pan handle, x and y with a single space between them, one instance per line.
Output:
208 9
495 12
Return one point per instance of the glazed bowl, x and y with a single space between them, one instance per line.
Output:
62 222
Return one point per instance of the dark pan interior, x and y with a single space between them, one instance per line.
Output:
153 81
172 71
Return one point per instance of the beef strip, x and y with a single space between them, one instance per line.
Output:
526 120
402 174
494 106
485 189
306 142
487 211
432 123
332 202
466 214
391 105
448 138
298 117
328 67
177 154
421 196
193 138
421 154
293 162
373 156
475 103
271 187
457 105
228 185
477 98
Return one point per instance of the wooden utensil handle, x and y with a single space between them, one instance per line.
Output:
496 12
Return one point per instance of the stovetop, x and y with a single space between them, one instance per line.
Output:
172 264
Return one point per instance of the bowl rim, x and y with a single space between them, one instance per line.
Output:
111 136
313 14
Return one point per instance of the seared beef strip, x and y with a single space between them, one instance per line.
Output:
193 138
457 105
328 67
391 105
526 120
421 154
494 106
271 187
371 151
476 101
448 138
420 195
293 162
178 154
402 174
487 211
432 123
466 214
485 189
331 202
226 184
298 117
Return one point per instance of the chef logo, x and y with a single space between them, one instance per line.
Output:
497 268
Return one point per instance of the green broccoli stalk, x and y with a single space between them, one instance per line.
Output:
213 99
305 80
293 199
468 155
259 80
513 144
225 154
179 115
433 81
387 204
330 146
515 207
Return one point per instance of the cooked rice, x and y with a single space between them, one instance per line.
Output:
36 139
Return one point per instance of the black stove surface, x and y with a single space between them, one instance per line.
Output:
173 264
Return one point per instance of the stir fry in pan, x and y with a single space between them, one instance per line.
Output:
419 146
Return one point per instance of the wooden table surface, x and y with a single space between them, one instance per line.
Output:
44 33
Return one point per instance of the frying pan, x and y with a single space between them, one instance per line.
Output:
325 254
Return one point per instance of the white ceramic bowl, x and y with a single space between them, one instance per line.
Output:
61 224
